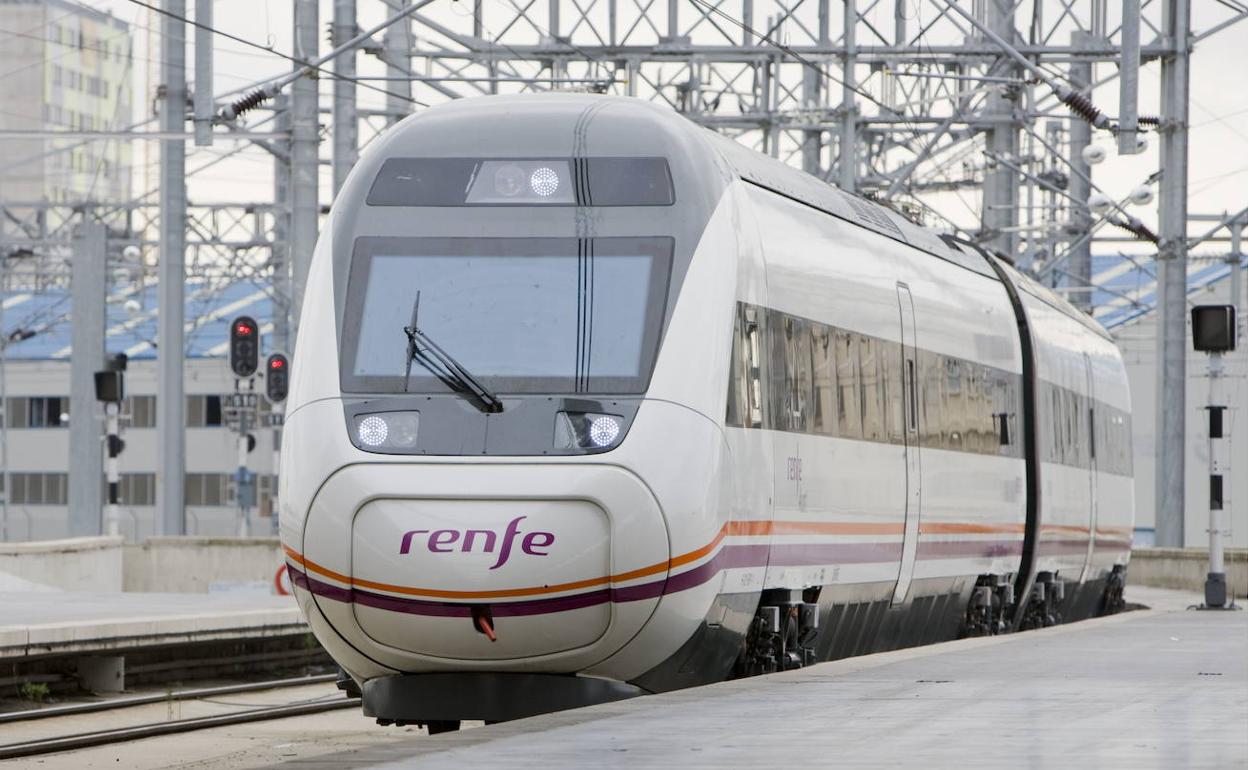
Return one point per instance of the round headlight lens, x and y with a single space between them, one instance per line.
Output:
544 181
509 180
373 431
603 431
403 427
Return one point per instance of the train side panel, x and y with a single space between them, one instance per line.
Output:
1083 412
835 408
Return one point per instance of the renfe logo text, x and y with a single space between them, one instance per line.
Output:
450 540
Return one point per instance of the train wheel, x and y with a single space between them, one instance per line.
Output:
442 726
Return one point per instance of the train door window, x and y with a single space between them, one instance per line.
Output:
912 383
1092 437
1074 419
823 379
871 389
849 415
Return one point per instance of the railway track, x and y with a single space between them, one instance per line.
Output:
83 740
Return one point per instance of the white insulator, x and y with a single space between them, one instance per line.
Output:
1099 203
132 306
131 252
1093 154
1142 195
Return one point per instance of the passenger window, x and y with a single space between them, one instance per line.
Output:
754 359
871 389
823 377
800 390
778 371
894 390
849 415
738 373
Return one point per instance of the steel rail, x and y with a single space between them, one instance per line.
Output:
143 700
153 729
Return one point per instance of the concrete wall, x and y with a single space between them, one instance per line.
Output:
194 564
75 564
1185 569
158 564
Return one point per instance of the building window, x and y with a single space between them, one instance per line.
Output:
203 411
142 411
207 489
37 411
38 488
134 489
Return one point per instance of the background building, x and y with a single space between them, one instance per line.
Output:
69 68
37 370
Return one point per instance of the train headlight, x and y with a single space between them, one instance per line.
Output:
587 430
509 180
373 431
544 181
603 431
520 182
387 430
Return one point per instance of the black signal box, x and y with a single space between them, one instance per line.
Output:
1213 328
110 386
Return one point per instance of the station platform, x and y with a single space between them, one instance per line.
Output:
36 624
1159 687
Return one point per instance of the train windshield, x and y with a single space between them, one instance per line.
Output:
525 315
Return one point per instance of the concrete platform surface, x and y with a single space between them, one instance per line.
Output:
1164 688
38 623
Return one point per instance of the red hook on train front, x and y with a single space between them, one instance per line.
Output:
483 619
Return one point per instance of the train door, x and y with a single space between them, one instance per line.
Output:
910 405
1090 418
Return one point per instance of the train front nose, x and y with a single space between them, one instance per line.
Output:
533 556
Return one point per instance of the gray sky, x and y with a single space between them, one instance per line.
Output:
1219 106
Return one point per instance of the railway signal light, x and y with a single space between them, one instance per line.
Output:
244 346
277 378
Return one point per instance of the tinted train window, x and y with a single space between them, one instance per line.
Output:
871 386
849 413
629 182
832 382
524 315
523 182
823 379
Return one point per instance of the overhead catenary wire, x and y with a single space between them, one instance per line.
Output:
308 67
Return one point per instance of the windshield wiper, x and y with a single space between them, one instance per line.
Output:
443 366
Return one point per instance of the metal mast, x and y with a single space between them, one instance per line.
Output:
1172 276
346 122
304 186
170 395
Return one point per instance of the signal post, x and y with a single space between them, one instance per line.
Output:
242 407
244 361
276 386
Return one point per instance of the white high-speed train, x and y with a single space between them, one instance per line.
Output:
590 402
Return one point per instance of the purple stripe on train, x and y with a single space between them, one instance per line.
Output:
728 557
